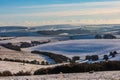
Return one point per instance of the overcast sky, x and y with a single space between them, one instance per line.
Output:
50 12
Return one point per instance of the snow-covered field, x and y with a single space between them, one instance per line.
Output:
15 67
29 39
109 75
19 55
25 39
69 48
80 47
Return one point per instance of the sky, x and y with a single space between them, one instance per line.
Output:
52 12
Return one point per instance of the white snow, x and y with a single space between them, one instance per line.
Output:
80 47
117 57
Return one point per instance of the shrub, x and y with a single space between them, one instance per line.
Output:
95 57
7 73
88 57
115 52
75 58
21 73
0 59
42 63
34 62
6 59
47 63
1 74
105 57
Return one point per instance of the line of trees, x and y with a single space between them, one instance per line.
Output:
32 43
70 68
84 67
105 36
105 57
25 61
20 73
58 58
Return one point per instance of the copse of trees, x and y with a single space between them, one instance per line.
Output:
105 36
109 36
92 57
75 58
113 53
105 57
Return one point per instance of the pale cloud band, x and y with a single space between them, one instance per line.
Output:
105 13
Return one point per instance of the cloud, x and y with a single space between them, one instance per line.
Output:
87 13
92 12
87 4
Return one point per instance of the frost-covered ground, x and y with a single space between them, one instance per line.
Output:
80 47
19 55
109 75
15 67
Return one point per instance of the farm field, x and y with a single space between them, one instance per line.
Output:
81 48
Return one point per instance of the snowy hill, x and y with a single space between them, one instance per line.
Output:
58 30
11 28
80 47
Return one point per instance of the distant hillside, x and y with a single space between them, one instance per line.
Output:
12 31
54 27
11 28
59 30
68 32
